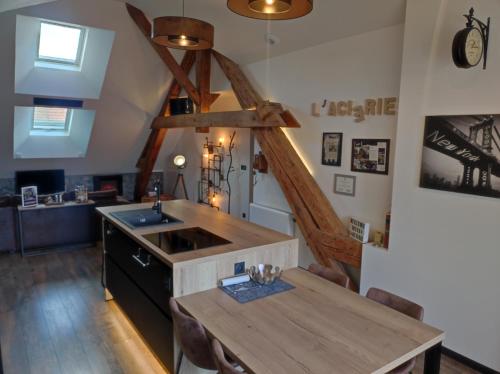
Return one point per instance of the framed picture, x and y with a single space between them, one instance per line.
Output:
461 154
29 196
331 153
344 184
370 156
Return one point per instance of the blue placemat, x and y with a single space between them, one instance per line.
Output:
250 291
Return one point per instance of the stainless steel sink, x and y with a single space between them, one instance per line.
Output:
144 218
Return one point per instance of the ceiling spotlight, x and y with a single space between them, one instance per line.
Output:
180 161
271 9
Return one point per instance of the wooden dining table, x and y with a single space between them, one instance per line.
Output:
316 328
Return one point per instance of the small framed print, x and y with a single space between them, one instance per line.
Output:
370 156
344 184
29 196
331 153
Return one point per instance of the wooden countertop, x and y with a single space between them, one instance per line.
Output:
242 234
316 328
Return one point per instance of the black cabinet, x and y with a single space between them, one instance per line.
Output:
46 227
149 273
142 285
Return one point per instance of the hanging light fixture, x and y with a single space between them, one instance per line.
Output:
183 32
271 9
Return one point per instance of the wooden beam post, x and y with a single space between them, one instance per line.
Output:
325 233
157 136
203 69
246 95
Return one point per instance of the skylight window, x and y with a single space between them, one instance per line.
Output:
60 44
50 121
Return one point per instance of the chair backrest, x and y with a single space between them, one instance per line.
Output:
223 366
192 338
330 274
396 302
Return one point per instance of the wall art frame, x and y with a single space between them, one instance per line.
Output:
331 149
370 156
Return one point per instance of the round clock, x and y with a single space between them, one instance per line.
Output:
468 47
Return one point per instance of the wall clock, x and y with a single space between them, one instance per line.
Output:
470 44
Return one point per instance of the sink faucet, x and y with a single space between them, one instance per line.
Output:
157 204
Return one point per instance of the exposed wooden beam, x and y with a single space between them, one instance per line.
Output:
156 137
268 111
325 233
173 91
236 119
289 119
246 95
203 69
295 199
180 76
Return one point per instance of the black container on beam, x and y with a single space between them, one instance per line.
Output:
182 105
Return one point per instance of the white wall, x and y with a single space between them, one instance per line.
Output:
191 145
444 250
354 68
84 82
75 144
131 97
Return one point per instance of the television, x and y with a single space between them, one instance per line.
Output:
46 181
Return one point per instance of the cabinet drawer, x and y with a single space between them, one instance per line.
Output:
151 275
155 327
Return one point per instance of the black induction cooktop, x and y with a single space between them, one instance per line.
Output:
184 240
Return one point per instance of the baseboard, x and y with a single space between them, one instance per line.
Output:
1 365
468 362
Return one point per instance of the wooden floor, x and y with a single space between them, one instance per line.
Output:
53 320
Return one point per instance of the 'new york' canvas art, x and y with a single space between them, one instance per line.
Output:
462 154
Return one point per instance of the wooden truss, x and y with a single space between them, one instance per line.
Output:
324 232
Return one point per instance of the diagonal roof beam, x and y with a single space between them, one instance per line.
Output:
325 233
156 137
180 76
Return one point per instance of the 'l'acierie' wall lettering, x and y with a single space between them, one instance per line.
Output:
372 107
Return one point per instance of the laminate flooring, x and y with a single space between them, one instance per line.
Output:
54 320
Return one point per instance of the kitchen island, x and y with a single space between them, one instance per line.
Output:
145 266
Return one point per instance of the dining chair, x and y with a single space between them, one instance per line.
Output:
330 274
404 306
223 365
192 338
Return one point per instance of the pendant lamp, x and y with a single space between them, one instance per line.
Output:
183 32
271 9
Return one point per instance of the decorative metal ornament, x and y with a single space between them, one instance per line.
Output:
271 9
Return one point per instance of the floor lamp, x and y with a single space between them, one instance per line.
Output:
180 163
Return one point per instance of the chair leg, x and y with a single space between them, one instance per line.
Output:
179 362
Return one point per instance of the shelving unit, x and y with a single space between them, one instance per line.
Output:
212 174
